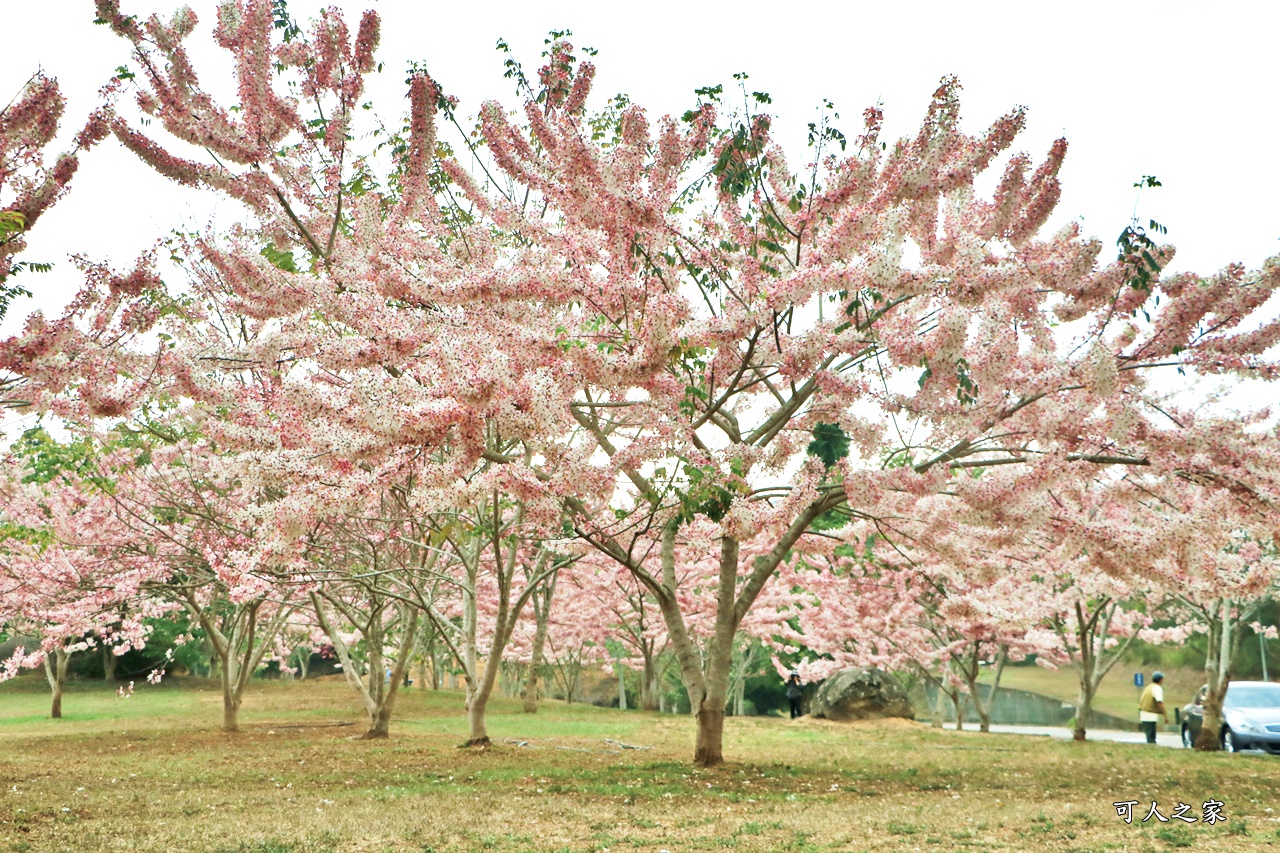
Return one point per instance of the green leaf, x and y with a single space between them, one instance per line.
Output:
924 377
829 443
12 222
280 259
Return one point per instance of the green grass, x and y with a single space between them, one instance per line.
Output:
153 773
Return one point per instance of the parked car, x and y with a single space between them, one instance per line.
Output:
1251 714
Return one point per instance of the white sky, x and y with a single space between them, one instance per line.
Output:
1180 90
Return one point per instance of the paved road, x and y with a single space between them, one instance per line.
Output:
1170 739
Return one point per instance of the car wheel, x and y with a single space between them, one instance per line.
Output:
1229 741
1187 740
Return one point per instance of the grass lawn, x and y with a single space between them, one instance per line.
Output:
153 773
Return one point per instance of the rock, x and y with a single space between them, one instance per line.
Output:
8 647
861 694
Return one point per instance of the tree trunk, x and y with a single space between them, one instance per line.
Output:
380 713
649 685
109 661
957 699
479 701
56 673
709 750
230 712
379 696
230 699
470 645
478 735
1085 670
1210 738
984 707
1217 666
710 707
535 663
1084 710
939 708
706 681
984 716
379 723
622 686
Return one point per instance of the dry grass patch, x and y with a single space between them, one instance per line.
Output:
151 773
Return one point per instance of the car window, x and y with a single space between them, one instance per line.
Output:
1253 696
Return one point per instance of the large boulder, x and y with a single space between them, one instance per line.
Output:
861 694
11 645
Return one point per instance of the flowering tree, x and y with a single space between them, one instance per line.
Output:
1068 609
738 345
1091 616
357 358
943 616
1221 565
29 185
540 603
1095 620
59 578
620 609
501 562
870 309
1187 533
194 527
360 576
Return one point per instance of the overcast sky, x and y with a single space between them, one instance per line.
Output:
1181 90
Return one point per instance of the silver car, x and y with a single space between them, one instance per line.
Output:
1251 714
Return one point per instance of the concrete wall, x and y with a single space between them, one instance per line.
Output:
1022 708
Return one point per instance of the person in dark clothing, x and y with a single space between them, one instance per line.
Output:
794 692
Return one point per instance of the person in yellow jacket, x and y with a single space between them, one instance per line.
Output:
1151 706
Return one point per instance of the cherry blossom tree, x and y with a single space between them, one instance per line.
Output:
872 292
662 326
1092 617
947 619
1068 609
1221 566
1097 618
501 562
29 183
195 527
360 574
58 580
218 577
540 603
619 608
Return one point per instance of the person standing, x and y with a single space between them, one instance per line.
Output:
1151 706
794 693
